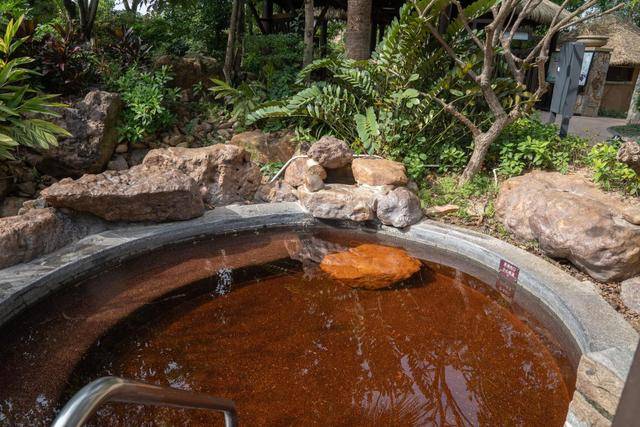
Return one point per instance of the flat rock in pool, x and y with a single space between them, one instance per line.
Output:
370 266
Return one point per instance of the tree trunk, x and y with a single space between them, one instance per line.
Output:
71 8
267 14
88 10
358 29
481 144
229 57
307 57
633 115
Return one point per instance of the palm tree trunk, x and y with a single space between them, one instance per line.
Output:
633 115
358 29
229 57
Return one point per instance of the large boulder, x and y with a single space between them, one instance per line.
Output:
189 70
370 266
224 172
37 232
92 123
373 171
330 152
399 208
572 219
339 201
137 194
266 147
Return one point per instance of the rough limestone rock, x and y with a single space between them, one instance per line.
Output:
37 232
370 266
92 122
379 172
137 194
277 191
10 206
190 70
224 172
339 201
295 173
630 293
572 219
399 208
266 147
313 182
629 154
330 152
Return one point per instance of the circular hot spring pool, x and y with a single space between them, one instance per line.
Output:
258 318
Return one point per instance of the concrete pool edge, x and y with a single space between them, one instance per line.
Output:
601 333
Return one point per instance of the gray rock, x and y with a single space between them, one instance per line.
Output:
224 172
399 208
136 156
137 194
629 153
330 152
630 293
119 163
92 122
339 201
572 219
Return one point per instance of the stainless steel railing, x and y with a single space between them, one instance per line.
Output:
113 389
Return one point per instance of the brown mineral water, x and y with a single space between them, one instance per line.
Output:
255 321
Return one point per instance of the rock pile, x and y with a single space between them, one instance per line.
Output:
376 189
572 219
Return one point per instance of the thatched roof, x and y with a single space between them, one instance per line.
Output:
544 12
624 37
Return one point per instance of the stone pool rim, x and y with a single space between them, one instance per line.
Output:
600 333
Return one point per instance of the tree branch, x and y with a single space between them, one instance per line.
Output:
465 22
451 109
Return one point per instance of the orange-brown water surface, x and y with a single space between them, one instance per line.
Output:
254 319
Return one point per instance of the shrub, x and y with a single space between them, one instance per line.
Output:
242 100
609 173
148 101
528 144
67 63
275 60
19 103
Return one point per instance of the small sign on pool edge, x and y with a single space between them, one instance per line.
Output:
507 279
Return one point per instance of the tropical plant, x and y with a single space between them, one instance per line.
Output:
243 99
20 105
67 63
611 174
148 102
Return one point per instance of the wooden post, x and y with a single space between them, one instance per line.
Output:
308 33
267 15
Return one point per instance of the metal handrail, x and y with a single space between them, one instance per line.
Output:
113 389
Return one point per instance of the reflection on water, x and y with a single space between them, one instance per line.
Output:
292 347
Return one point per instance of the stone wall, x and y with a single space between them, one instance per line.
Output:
588 103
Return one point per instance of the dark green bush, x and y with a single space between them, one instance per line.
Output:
274 59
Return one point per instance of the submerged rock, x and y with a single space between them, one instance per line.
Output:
137 194
572 219
399 208
92 123
330 152
379 172
224 172
339 201
370 266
